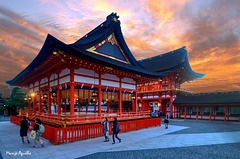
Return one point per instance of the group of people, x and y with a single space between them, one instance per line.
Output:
38 129
115 130
162 116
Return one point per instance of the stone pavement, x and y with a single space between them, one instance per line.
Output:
145 139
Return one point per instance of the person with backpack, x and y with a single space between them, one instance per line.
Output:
24 129
105 129
115 129
39 128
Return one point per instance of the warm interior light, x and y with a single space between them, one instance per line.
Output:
33 94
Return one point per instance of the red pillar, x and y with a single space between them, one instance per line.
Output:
197 113
135 101
99 101
49 98
71 91
174 112
171 105
185 114
34 104
225 114
40 102
29 106
120 102
210 115
120 97
107 106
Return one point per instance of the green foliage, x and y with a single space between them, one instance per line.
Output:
1 94
17 98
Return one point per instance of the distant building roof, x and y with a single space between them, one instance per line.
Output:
170 62
217 98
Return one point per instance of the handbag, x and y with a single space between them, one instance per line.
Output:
107 133
33 134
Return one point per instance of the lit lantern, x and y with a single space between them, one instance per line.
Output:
133 97
94 94
159 104
140 105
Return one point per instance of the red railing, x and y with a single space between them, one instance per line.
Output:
77 132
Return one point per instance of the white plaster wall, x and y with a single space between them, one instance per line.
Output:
85 79
64 80
110 83
84 71
64 72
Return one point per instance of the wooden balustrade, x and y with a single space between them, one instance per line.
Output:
70 133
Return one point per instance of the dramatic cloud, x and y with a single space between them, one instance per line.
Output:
209 29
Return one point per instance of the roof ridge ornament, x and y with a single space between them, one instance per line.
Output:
110 18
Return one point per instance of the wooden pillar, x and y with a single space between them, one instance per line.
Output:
171 105
185 114
71 91
120 102
40 102
136 101
29 106
174 112
49 97
210 115
197 113
120 97
107 106
225 114
100 96
34 104
99 101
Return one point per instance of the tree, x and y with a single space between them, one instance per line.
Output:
17 99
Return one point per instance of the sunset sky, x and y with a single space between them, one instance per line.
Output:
210 30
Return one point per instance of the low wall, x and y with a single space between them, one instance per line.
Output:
71 133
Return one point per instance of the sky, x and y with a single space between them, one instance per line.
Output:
210 30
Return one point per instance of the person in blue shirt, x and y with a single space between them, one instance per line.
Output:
115 129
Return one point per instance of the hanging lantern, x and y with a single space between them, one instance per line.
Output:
159 104
60 87
94 94
45 96
133 97
140 105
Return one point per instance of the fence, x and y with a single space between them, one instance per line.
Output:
58 134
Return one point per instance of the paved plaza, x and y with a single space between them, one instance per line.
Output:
183 139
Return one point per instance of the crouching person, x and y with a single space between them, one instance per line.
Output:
39 128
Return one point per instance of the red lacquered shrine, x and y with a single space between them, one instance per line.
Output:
160 94
74 86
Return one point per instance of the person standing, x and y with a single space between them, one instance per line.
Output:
106 129
52 108
39 128
166 121
115 129
24 129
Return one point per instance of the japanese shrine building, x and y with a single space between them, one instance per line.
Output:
98 73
